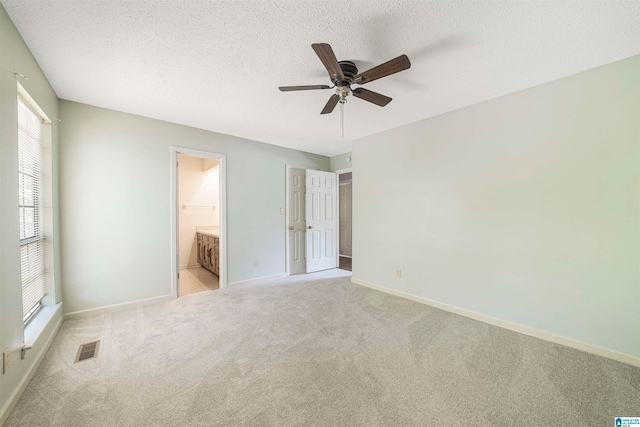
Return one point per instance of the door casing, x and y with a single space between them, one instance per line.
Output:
174 261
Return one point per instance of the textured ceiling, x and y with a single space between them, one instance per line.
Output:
217 65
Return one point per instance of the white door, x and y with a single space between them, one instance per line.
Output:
322 222
296 232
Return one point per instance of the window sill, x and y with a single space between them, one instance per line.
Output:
39 323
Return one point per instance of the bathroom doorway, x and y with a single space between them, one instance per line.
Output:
198 237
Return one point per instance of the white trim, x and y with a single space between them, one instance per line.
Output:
345 170
116 307
13 399
257 279
39 323
526 330
33 104
174 259
336 203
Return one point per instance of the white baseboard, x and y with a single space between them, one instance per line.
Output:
13 399
253 281
526 330
117 307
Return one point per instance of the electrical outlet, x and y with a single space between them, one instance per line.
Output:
5 361
256 263
398 274
281 211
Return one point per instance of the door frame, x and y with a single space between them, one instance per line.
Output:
345 170
174 216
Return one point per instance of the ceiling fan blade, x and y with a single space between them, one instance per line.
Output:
331 104
328 58
396 65
371 96
309 87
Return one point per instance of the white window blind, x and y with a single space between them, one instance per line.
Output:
31 133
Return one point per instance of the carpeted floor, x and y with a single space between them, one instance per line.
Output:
316 350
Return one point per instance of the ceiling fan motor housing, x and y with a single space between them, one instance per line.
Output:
349 70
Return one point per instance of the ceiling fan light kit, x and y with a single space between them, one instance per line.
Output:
343 74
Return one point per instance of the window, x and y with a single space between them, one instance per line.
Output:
33 136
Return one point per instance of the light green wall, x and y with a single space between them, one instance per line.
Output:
16 58
340 161
115 203
525 208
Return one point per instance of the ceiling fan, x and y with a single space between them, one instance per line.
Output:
343 74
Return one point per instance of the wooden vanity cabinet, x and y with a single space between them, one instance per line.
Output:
200 241
216 255
209 252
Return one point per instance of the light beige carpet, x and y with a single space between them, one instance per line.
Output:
316 350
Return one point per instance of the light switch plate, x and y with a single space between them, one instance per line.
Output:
281 211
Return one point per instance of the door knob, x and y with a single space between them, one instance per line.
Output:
291 228
310 227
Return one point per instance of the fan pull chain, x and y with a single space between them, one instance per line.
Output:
342 118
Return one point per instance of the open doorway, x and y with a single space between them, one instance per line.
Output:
345 218
345 191
198 223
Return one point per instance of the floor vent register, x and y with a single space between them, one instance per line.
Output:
87 351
